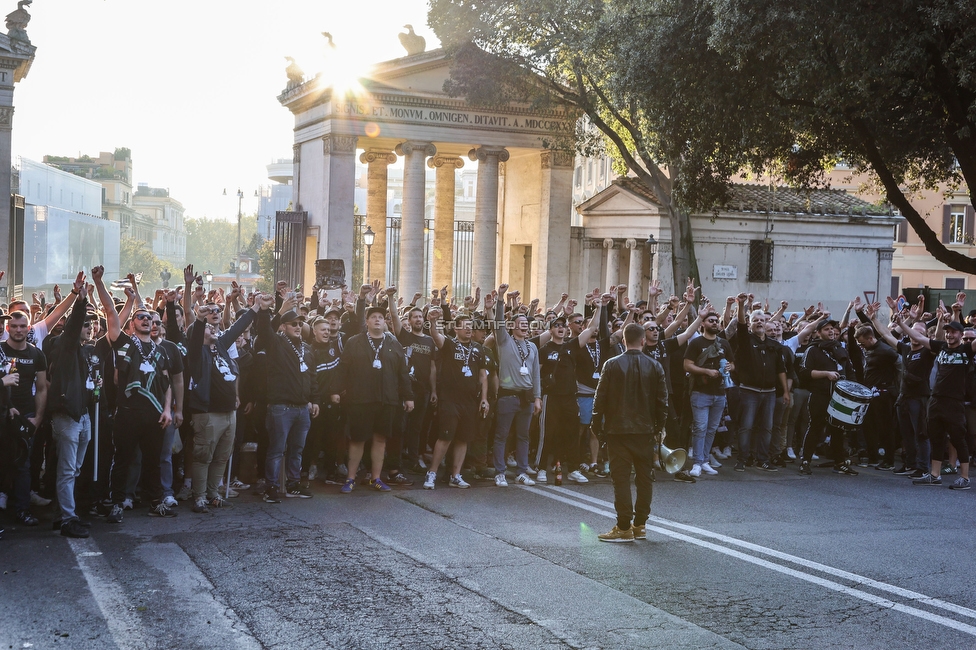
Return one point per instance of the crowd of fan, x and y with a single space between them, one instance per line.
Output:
110 401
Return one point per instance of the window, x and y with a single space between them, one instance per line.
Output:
895 286
956 284
957 224
760 260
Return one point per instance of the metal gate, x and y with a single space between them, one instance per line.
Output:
289 247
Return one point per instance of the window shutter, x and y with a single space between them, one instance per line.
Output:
946 224
970 224
903 232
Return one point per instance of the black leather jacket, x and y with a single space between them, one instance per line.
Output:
632 396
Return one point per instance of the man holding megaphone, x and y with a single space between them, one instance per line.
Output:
629 413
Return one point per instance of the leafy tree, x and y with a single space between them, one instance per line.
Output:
136 257
266 261
210 243
890 88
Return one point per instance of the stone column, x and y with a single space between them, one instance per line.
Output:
635 271
613 264
336 219
552 272
412 270
486 215
376 161
16 56
443 262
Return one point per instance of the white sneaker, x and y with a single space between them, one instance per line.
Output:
524 479
500 480
706 468
578 477
37 500
458 482
231 493
3 500
728 452
431 479
510 461
713 460
236 484
127 504
541 476
249 447
696 470
718 453
790 454
313 471
170 502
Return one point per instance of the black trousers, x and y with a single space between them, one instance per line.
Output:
628 452
818 431
137 429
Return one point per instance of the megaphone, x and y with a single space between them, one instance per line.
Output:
672 460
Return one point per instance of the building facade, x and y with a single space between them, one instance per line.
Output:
156 206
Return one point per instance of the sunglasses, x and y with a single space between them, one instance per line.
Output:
142 317
577 322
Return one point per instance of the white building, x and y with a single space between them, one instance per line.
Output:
166 213
64 230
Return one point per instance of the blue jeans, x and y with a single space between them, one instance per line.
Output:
509 410
166 461
755 423
706 414
287 427
72 440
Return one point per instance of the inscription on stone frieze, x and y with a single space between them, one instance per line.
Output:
379 111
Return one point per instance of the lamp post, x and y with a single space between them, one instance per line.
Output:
651 245
368 238
277 256
208 276
237 254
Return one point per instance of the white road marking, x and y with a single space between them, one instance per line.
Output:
810 564
125 627
548 492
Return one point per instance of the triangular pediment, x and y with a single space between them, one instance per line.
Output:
619 198
423 73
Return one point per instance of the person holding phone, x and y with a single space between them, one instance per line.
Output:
462 389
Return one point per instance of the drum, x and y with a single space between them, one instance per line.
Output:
848 404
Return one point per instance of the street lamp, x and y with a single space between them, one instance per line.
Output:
208 276
651 245
368 238
240 205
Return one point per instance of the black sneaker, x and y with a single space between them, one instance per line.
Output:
739 466
161 511
26 518
928 479
779 461
916 474
74 528
297 491
400 479
766 467
845 469
57 523
805 468
115 516
271 495
949 469
903 471
884 466
750 462
684 477
100 509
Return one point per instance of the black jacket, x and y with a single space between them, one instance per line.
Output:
758 362
70 367
364 384
287 384
200 362
632 396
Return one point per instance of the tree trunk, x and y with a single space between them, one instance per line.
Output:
684 262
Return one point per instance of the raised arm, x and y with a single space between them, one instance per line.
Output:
113 329
912 333
592 327
394 316
434 314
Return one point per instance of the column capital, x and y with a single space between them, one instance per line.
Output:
592 243
6 117
481 154
440 160
339 144
557 158
296 152
415 146
382 156
608 243
631 243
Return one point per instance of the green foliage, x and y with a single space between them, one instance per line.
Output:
210 243
135 256
265 255
122 153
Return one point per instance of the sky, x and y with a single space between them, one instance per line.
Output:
190 87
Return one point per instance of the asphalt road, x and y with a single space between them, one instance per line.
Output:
741 560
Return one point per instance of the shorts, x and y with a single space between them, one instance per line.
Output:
585 403
457 421
373 418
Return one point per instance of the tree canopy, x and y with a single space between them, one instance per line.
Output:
210 243
690 93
